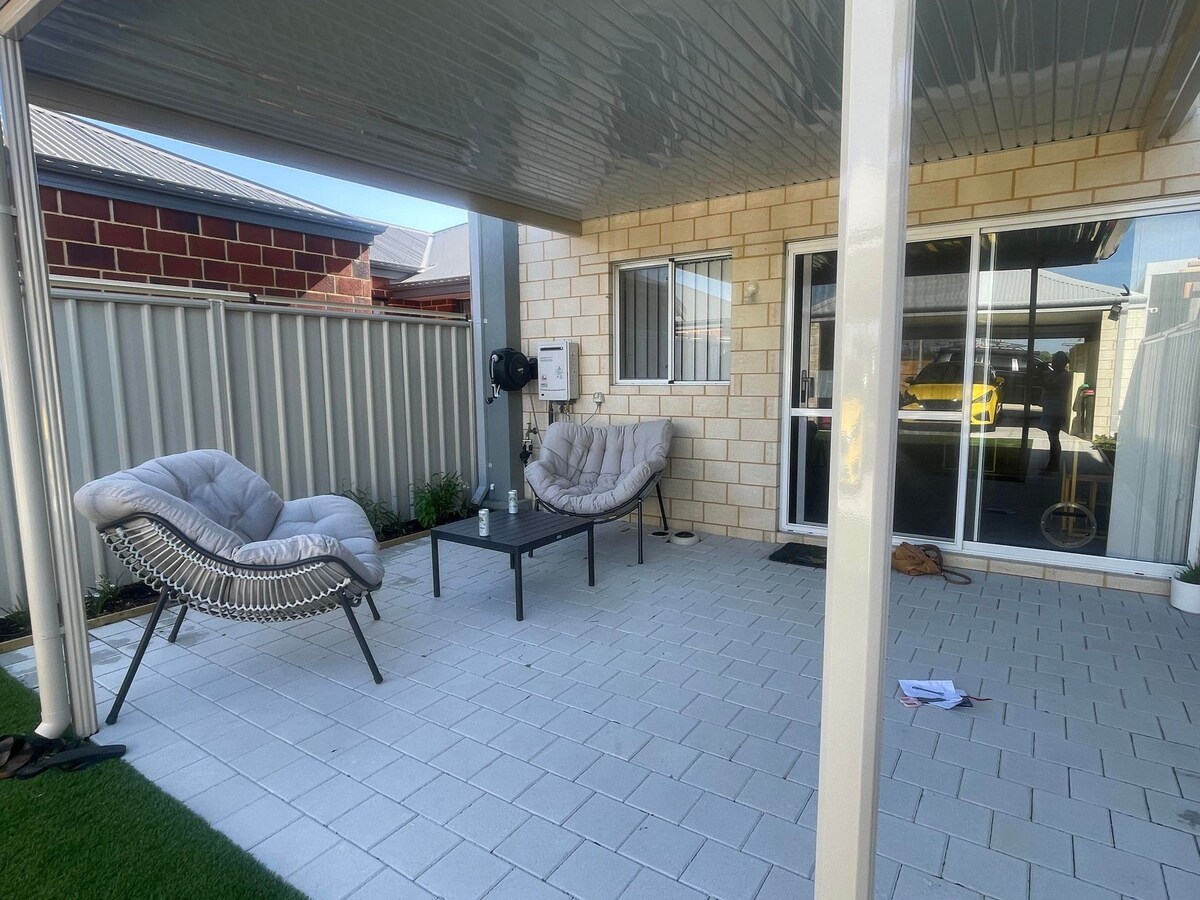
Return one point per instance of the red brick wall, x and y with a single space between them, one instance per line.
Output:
95 237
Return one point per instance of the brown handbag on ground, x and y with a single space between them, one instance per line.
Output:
924 559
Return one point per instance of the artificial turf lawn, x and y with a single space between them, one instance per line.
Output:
108 832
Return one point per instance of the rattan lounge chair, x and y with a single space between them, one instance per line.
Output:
601 473
208 531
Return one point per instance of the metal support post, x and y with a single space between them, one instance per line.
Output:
876 100
496 323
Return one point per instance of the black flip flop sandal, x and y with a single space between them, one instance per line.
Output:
19 751
79 757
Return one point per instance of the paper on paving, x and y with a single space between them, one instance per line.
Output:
933 693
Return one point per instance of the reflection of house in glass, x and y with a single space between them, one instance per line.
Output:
995 449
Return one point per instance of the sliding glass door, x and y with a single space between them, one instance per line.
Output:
1048 391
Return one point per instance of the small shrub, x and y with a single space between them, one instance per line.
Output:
16 622
441 499
385 521
1190 575
1104 442
102 597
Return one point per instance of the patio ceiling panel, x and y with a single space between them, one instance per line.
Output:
555 111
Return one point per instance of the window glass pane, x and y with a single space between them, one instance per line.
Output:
643 322
937 285
702 300
1093 330
817 365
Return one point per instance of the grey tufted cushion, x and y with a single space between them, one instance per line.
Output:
591 471
231 511
319 526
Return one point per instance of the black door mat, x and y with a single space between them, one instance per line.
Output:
800 555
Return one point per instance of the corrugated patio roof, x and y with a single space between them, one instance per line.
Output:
553 113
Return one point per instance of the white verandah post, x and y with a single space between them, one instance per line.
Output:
876 102
34 419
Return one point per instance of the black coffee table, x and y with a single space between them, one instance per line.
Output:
513 534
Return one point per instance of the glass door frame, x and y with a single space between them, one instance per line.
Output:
788 413
975 229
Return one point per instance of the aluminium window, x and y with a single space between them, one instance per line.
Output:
673 320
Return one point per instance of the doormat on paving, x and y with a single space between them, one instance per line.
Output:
800 555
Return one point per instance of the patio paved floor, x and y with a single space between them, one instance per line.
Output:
656 736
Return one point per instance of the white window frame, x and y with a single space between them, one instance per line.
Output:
976 228
669 262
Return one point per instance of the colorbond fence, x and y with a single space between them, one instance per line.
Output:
317 399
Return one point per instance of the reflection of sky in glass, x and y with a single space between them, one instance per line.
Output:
1114 271
714 287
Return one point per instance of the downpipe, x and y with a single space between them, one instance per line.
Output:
21 423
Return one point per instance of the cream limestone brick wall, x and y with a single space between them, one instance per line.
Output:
724 472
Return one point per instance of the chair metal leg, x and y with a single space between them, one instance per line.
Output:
639 509
178 621
662 507
362 641
374 608
137 659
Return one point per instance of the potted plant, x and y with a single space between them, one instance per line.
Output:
1185 589
1106 445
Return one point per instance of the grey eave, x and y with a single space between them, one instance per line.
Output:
71 176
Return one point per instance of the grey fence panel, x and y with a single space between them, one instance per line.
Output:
317 401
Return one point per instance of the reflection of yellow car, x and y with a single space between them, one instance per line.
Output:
939 386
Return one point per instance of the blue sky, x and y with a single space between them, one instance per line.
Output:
342 196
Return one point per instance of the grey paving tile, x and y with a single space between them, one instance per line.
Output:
1140 772
942 777
661 845
604 821
664 797
724 873
650 885
257 821
565 758
337 872
1032 842
487 821
1167 845
538 847
721 819
593 873
913 884
1046 884
992 874
911 844
1181 884
774 795
955 817
553 798
997 794
293 846
507 777
1109 792
1033 772
613 776
465 872
415 846
1129 875
518 885
784 844
1074 816
784 885
390 885
442 799
370 821
664 757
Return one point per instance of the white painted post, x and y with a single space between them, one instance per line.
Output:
876 101
46 477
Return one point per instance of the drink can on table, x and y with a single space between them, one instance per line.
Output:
512 502
484 529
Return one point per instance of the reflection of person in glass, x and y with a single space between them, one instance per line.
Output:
1056 404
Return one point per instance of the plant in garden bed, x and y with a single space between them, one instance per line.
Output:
16 623
441 499
385 521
